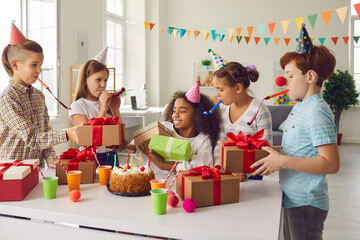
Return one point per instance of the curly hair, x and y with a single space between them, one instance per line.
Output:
209 125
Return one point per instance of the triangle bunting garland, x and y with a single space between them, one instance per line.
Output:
162 31
238 32
342 13
206 34
261 29
335 39
346 40
189 33
357 8
247 39
146 25
322 40
356 39
221 37
231 38
298 22
182 32
196 33
271 27
287 40
250 29
285 25
257 39
276 40
238 39
312 20
326 16
151 26
267 39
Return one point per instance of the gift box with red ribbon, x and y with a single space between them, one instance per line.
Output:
102 132
17 178
208 186
84 161
142 136
239 152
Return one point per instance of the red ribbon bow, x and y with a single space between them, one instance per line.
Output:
69 154
98 123
75 156
15 163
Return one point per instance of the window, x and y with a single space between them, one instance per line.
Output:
37 19
356 50
114 39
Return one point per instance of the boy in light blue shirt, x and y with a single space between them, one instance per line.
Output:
309 145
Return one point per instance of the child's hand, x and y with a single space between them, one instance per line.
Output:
156 159
242 177
72 134
104 100
272 163
52 164
114 104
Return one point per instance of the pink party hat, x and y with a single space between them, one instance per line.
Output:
193 95
101 56
16 37
218 61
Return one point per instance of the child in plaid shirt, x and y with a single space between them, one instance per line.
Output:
25 132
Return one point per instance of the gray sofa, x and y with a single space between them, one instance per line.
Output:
279 113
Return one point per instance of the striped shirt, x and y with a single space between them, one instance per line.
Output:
310 124
24 125
262 121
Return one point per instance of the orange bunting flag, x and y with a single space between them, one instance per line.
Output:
335 39
326 16
162 31
238 32
276 40
196 33
146 25
271 27
231 38
298 22
250 29
285 25
257 39
357 8
346 39
151 26
247 39
342 13
287 40
189 33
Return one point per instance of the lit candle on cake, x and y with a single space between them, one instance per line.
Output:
149 162
140 161
131 163
127 163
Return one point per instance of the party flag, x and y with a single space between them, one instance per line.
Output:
285 25
271 27
312 39
221 32
287 40
238 31
247 39
189 33
231 38
151 26
169 31
346 39
326 16
322 40
16 37
182 32
162 31
276 40
304 44
214 34
267 39
177 30
238 39
299 21
312 20
206 34
196 33
146 25
250 29
357 8
335 39
297 40
230 31
342 13
261 29
222 37
356 39
257 39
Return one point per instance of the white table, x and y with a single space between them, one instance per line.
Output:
256 216
146 116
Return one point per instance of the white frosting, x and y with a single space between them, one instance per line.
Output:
122 170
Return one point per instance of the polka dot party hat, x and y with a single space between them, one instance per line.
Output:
304 44
193 95
16 37
101 56
217 60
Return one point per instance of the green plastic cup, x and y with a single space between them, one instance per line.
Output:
159 200
50 187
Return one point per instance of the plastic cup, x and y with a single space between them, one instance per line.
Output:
157 183
159 200
73 179
104 174
50 187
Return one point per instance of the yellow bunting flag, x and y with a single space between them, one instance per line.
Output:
162 31
346 39
231 38
271 27
257 39
250 29
238 32
206 34
196 33
312 39
276 40
285 25
247 39
189 33
287 40
342 13
146 24
298 22
326 16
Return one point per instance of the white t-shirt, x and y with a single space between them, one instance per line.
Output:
91 110
201 152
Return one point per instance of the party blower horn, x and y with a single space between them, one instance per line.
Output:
42 83
207 113
280 81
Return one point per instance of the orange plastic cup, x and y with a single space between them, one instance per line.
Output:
157 183
73 179
104 174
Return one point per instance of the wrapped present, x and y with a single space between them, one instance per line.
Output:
172 149
239 152
84 161
17 178
208 186
142 136
101 132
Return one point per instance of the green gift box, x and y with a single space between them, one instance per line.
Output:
172 149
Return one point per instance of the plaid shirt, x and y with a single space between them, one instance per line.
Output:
25 132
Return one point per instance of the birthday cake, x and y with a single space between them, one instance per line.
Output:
125 180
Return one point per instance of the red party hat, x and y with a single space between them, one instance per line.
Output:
193 95
16 37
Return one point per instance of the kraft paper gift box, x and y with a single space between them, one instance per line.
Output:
102 132
240 152
83 161
209 191
17 178
171 149
142 136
